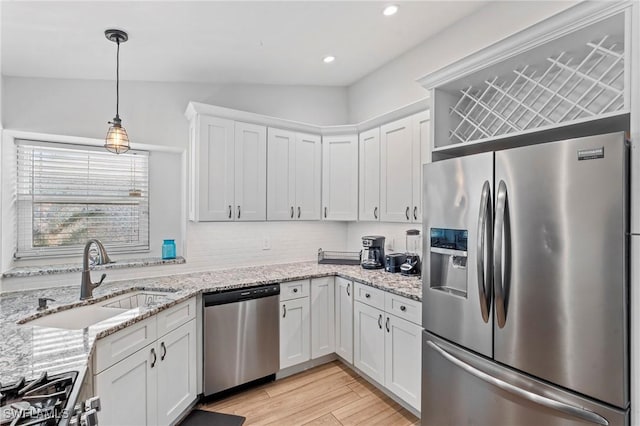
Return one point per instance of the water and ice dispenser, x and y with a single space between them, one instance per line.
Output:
448 257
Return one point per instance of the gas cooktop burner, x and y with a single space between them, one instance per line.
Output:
39 402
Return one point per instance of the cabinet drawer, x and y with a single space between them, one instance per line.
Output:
369 295
120 345
174 317
294 290
402 307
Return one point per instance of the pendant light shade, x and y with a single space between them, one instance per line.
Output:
117 139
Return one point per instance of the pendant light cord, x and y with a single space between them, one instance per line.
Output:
117 76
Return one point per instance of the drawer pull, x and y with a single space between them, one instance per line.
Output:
380 321
284 311
367 295
403 308
348 292
295 290
387 325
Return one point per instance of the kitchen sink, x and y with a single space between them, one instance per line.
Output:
77 318
88 315
137 299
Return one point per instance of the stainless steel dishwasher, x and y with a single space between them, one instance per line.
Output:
241 337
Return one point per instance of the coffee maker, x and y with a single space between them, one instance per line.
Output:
372 252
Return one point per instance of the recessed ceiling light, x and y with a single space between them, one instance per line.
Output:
329 59
392 9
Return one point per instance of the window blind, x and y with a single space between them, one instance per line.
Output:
67 194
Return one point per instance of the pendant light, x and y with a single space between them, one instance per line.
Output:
117 139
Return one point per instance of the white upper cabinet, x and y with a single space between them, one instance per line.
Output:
212 165
308 172
294 170
250 171
369 185
403 149
421 123
340 177
228 170
281 181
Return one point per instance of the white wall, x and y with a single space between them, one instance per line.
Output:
394 84
394 234
153 113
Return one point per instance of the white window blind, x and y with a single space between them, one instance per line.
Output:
67 194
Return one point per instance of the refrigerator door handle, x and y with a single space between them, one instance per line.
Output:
553 404
484 229
498 289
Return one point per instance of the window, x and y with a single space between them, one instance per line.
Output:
67 194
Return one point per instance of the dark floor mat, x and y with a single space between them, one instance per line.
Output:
208 418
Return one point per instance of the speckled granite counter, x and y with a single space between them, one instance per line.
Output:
27 350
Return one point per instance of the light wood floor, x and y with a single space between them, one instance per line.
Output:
330 394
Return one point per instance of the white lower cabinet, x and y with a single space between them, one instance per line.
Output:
177 372
128 390
322 317
368 345
344 319
402 359
388 349
155 384
295 332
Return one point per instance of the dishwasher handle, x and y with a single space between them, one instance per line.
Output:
233 296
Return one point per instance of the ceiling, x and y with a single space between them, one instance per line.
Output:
217 41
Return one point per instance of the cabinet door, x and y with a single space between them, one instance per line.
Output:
368 351
369 186
295 331
420 155
128 390
308 163
215 170
176 372
402 355
322 317
250 172
340 178
280 174
344 319
396 174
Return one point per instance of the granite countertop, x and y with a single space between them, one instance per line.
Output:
27 350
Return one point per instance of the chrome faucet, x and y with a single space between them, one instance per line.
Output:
86 286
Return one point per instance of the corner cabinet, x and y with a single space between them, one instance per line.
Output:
340 177
404 147
322 317
228 170
146 374
294 175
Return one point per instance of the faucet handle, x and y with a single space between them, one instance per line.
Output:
101 279
42 303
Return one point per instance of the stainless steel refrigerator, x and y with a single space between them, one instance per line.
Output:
525 286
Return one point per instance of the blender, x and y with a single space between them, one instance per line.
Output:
412 266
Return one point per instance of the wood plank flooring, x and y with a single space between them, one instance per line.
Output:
331 394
